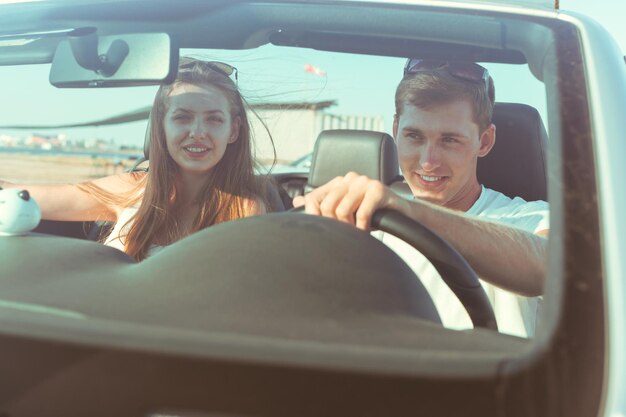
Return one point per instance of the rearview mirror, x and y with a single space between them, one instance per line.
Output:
89 60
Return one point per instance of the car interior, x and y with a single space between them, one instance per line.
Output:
516 167
304 315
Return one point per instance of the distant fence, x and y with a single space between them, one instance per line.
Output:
331 121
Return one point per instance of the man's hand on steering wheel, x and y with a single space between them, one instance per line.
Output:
356 199
352 199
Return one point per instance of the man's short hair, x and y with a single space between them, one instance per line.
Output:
429 89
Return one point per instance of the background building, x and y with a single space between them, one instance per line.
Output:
295 127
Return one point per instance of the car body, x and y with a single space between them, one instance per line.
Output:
284 315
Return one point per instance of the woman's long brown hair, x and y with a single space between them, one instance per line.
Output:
230 185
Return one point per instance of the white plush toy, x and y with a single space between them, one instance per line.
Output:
19 213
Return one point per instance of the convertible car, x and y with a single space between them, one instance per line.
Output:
287 314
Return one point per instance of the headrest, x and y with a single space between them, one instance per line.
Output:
516 166
338 152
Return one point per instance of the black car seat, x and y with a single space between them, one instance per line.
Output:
516 166
340 151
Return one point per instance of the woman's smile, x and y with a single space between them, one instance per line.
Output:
197 151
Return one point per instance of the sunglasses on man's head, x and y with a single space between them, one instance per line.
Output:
467 71
217 66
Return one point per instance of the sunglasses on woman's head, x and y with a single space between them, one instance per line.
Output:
217 66
467 71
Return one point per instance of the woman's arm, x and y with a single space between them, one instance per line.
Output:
69 203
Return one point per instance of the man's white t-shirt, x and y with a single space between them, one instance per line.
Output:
515 314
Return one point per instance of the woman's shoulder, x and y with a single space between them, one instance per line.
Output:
253 206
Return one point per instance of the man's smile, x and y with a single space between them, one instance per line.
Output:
430 178
431 181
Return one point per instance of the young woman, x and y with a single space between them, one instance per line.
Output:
200 172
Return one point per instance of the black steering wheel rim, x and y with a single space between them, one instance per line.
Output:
454 270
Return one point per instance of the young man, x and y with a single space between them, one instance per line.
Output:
441 127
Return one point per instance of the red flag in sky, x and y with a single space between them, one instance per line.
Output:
314 70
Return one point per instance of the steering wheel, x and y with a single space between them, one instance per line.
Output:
452 267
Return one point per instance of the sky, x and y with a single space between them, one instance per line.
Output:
362 85
609 13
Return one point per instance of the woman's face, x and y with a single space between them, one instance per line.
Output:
198 127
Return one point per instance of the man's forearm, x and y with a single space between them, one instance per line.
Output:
507 257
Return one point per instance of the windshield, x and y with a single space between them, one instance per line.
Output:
293 94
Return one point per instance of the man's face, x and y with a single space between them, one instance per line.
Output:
438 150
